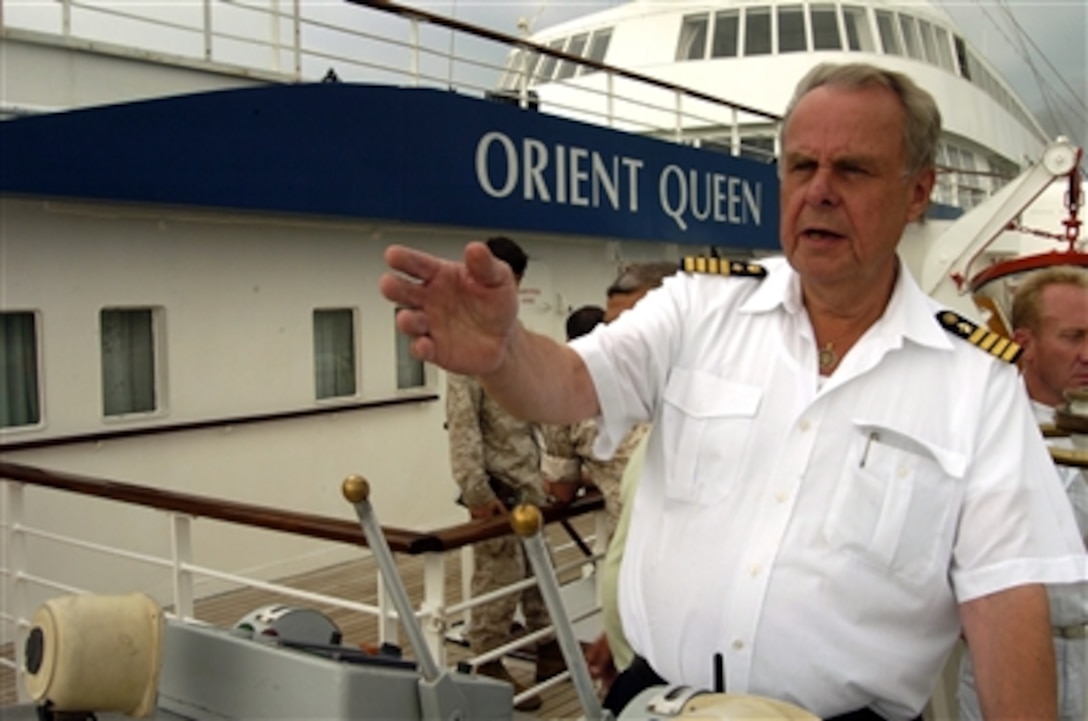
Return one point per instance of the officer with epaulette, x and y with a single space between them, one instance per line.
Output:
836 487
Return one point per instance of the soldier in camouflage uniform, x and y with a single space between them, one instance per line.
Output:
496 462
568 461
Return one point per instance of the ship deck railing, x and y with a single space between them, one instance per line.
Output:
380 41
353 595
377 41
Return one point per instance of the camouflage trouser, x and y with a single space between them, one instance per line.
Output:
610 492
501 562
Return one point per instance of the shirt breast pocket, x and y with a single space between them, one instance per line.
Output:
896 498
706 423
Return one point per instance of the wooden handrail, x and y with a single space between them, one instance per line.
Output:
304 524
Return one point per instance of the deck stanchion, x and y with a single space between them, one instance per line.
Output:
357 492
528 522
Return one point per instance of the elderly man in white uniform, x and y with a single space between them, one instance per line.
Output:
836 485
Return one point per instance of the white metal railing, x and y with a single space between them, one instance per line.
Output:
20 582
369 41
365 41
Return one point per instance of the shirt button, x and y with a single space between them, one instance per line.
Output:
738 645
781 496
805 425
755 569
903 471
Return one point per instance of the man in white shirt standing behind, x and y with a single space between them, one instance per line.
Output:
1050 322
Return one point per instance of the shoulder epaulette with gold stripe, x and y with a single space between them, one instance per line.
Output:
995 344
722 266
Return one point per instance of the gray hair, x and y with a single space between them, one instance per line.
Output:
922 119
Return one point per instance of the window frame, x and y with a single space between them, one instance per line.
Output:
694 35
826 10
765 15
717 39
37 403
857 20
792 12
331 375
156 349
891 37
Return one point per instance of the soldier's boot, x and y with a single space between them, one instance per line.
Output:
496 669
549 661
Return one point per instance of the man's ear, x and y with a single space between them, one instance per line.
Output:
1026 339
920 189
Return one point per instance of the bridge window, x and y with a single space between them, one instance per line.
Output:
909 26
791 29
568 68
961 56
757 31
21 404
944 50
129 360
598 47
966 177
520 66
547 63
334 353
859 34
929 43
410 373
825 28
693 34
885 24
726 26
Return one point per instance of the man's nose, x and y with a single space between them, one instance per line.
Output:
1082 349
821 188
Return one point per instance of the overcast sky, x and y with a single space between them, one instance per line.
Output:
1056 38
1059 31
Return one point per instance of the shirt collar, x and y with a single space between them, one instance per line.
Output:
910 313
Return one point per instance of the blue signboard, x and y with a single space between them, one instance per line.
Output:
399 154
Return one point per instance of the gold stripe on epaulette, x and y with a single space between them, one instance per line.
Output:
722 266
995 344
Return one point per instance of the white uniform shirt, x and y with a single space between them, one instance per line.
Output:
817 536
1068 603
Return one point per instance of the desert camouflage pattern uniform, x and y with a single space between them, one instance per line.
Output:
568 456
487 441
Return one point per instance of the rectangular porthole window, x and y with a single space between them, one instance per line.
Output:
129 373
21 405
334 353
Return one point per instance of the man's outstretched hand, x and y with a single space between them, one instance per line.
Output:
459 316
